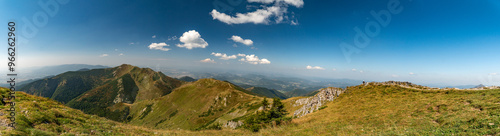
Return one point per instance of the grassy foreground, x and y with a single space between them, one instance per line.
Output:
393 110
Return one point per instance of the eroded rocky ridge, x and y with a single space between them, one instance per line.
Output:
313 103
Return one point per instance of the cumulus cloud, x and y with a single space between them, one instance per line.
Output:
260 16
208 60
154 36
264 61
246 42
121 54
334 69
103 55
354 69
192 39
411 73
315 67
159 46
252 59
223 56
493 74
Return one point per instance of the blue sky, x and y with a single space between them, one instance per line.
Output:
449 42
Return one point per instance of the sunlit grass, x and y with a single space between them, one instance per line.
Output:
363 110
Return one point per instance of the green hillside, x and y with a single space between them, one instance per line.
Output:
195 105
143 97
39 116
271 93
105 92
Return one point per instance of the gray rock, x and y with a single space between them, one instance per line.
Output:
233 124
313 103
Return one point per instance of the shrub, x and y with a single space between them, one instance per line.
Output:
266 117
216 126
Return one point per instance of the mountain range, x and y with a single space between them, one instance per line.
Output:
128 100
142 96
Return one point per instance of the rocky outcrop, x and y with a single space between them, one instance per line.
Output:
233 124
313 103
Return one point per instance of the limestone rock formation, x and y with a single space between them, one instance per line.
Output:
313 103
233 124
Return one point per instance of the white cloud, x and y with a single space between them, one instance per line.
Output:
131 43
192 39
223 56
411 73
315 67
334 69
260 16
103 55
121 54
493 74
252 59
158 46
395 75
208 60
361 71
354 70
265 61
154 36
246 42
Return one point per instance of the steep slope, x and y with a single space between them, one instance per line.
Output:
105 92
195 105
271 93
42 116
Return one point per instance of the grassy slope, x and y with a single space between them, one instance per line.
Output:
194 105
392 110
42 116
69 85
95 90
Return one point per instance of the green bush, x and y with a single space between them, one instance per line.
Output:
274 115
322 107
216 126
